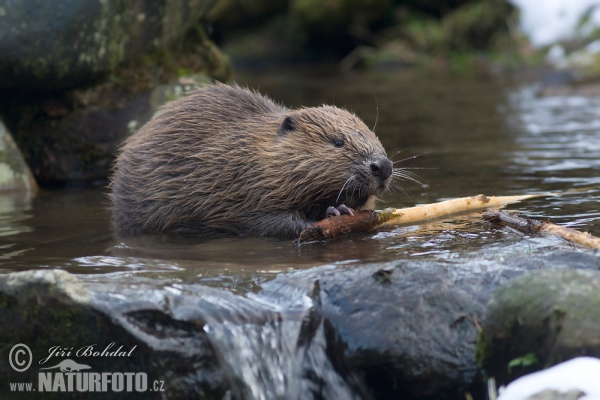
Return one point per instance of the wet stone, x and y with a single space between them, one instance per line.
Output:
53 45
540 319
51 309
409 329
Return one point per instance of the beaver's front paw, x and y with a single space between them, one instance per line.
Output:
339 210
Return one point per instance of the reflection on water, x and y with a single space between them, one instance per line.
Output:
471 136
560 133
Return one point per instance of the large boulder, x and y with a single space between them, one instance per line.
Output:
58 319
184 341
409 329
58 44
71 137
78 77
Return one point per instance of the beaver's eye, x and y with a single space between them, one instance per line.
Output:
338 142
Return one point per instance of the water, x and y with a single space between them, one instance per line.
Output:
470 135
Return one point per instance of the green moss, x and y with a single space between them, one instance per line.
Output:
552 315
527 360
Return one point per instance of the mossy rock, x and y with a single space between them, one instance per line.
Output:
71 136
51 45
538 320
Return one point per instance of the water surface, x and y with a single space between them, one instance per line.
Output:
469 136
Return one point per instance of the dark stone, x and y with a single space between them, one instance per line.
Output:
402 330
70 137
201 342
43 309
545 317
64 141
409 329
58 44
77 77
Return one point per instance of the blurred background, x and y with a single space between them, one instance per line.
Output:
77 77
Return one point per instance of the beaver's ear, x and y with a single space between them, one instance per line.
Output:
288 125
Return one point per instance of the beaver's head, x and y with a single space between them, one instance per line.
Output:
334 157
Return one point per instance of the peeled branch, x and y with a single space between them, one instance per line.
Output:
366 220
534 227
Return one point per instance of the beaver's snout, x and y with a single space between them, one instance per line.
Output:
382 167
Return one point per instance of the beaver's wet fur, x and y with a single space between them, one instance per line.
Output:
225 159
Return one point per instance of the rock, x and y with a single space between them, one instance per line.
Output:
405 329
569 380
539 320
196 341
409 329
71 137
52 45
77 77
47 308
14 172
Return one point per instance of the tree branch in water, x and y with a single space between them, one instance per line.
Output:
366 220
534 227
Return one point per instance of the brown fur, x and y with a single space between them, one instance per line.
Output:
226 159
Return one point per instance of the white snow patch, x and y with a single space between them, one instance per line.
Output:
582 373
548 21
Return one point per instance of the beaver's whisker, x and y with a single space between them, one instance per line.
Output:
411 157
376 113
343 186
398 152
406 176
400 174
410 168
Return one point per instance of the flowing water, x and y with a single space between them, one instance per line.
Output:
460 136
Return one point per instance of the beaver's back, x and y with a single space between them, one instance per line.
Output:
179 167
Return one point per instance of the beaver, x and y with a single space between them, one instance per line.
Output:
226 159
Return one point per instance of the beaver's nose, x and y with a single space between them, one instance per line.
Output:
382 168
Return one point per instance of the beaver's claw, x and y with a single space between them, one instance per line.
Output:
339 210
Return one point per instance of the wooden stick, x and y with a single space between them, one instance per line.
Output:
534 227
366 220
444 208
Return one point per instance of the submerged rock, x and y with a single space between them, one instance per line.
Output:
51 312
539 320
